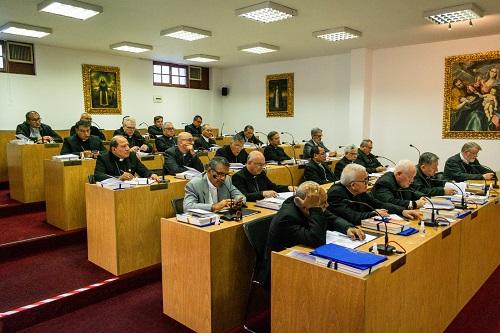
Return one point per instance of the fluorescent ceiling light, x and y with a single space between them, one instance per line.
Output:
25 30
131 47
337 34
70 8
186 33
459 13
259 48
266 12
201 58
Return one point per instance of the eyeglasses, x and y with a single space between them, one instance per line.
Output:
366 180
238 146
323 153
260 165
220 174
169 128
473 154
356 153
130 127
36 120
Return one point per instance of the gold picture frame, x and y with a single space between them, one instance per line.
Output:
471 104
279 95
102 89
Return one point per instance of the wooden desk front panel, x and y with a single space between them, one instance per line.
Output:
279 174
26 170
5 137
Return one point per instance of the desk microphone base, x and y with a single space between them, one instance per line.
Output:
381 249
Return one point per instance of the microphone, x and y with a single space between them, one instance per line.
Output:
416 149
221 128
462 204
163 180
378 156
99 127
495 185
479 171
144 124
341 147
432 222
265 136
382 249
293 146
291 176
293 140
228 216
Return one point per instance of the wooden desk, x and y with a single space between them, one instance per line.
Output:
222 141
123 228
422 291
26 170
206 273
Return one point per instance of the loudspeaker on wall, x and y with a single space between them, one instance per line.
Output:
225 91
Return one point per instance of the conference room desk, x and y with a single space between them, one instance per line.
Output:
421 291
206 273
26 170
123 229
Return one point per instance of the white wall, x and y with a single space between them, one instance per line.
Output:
56 92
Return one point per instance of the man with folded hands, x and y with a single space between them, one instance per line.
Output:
181 156
303 219
353 186
317 170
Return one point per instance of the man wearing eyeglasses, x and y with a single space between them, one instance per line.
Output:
93 129
353 186
167 140
181 156
316 136
367 159
350 155
253 182
317 170
234 152
33 129
213 190
135 140
465 166
83 142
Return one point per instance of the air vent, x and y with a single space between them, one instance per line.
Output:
19 52
195 73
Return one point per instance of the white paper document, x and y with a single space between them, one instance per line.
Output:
343 240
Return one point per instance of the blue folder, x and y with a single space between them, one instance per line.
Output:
350 257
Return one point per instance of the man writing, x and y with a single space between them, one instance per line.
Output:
213 190
317 170
181 156
425 181
465 166
33 129
316 136
167 140
205 141
120 162
82 141
234 152
273 152
93 129
367 159
136 141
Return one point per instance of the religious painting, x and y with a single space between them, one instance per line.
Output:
472 96
279 95
101 89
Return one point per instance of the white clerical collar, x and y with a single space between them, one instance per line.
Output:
206 139
121 159
463 159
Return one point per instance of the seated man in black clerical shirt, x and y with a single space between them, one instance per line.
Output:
425 181
317 170
273 152
135 140
302 219
120 162
353 186
167 140
367 159
157 129
181 156
253 182
234 152
93 129
205 141
248 135
465 166
350 155
195 127
316 136
82 141
33 129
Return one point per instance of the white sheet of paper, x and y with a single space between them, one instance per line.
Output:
342 240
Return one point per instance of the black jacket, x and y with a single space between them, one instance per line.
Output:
225 151
201 144
252 186
45 130
430 186
108 164
163 143
339 167
175 162
74 145
135 140
314 172
272 153
386 189
155 131
93 131
369 161
456 169
253 139
193 130
309 144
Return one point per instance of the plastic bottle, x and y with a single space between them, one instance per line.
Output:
422 229
375 248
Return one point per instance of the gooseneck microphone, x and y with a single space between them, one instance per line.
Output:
462 205
432 222
221 128
291 176
495 185
264 136
293 140
99 127
379 156
293 146
341 147
416 149
480 172
144 124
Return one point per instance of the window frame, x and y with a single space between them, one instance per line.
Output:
171 75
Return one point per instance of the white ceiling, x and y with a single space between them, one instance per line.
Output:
384 23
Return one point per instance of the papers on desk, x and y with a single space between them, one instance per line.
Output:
462 186
236 166
113 184
478 199
446 213
139 181
389 169
273 203
440 204
67 157
376 174
335 237
141 153
198 217
393 226
188 174
22 140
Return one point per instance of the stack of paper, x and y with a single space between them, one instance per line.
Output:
188 174
67 157
236 166
113 183
139 181
446 213
393 226
440 204
274 203
479 199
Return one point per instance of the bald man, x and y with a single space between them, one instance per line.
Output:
93 130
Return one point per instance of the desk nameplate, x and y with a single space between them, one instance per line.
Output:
51 145
160 186
446 232
474 214
72 163
147 158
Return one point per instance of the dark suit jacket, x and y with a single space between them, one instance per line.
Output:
354 213
163 143
108 164
272 153
386 190
93 131
135 140
155 131
339 167
193 130
314 172
225 151
74 145
201 144
309 144
369 161
24 129
430 186
252 186
176 162
456 169
253 139
290 227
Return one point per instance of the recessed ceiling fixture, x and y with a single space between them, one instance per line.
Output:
337 34
259 48
458 13
70 8
201 58
186 33
131 47
15 28
266 12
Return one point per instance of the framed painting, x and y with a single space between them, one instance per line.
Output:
101 89
472 96
279 95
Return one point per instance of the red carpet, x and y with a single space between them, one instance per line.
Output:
24 227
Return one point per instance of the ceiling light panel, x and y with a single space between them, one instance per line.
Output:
337 34
259 48
454 14
201 58
266 12
131 47
15 28
70 8
186 33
